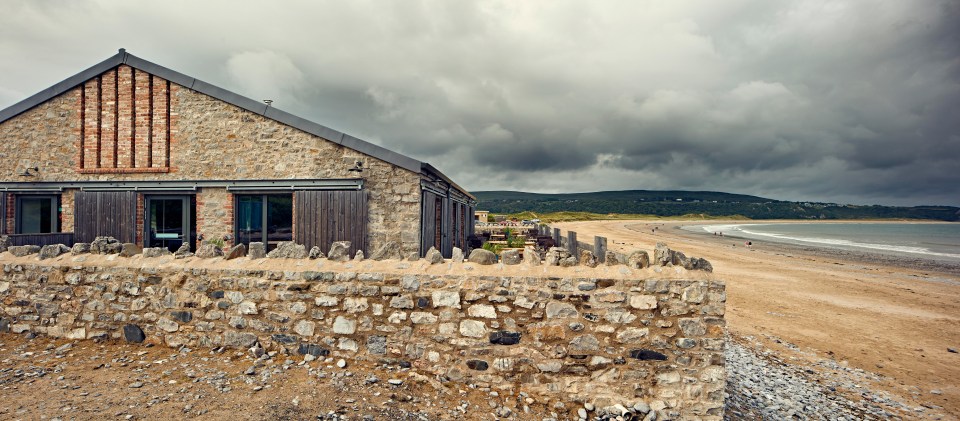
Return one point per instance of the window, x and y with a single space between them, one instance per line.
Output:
267 218
37 214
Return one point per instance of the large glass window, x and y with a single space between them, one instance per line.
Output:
171 221
37 214
267 218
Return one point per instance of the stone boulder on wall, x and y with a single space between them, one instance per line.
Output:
359 256
105 245
80 248
510 257
257 250
315 253
236 252
698 263
663 256
555 255
209 251
288 250
530 256
638 260
52 250
587 258
130 250
388 251
611 258
21 251
456 256
433 256
5 243
154 251
339 251
482 257
183 251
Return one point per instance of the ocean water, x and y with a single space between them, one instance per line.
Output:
938 241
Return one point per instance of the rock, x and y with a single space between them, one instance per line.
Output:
582 413
304 328
643 302
952 350
479 365
209 251
103 245
341 363
52 250
247 307
388 251
530 256
183 251
505 338
182 316
433 256
568 262
510 257
239 340
312 349
697 263
339 251
473 328
482 257
638 260
641 407
133 334
483 311
315 253
446 299
413 256
288 250
167 325
151 252
136 385
611 258
344 326
257 250
21 251
663 256
130 250
584 343
79 248
555 255
646 354
236 252
557 309
5 243
395 382
457 255
587 258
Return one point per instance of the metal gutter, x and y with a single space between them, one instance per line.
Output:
187 185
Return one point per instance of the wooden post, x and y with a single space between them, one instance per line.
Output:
556 237
600 248
572 248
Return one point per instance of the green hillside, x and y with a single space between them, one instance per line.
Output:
716 204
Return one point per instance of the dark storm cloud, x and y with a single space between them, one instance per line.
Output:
852 102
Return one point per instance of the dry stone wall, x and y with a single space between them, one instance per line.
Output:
604 336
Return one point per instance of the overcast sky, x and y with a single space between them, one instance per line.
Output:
850 102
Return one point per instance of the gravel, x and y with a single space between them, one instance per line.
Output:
760 385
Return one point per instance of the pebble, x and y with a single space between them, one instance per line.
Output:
341 363
136 385
395 382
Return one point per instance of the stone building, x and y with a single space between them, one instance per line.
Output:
137 151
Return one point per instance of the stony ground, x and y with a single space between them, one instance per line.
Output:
768 384
42 378
46 379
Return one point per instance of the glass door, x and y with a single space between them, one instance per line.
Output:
168 221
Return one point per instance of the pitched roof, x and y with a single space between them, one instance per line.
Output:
254 106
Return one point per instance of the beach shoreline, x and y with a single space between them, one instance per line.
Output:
893 318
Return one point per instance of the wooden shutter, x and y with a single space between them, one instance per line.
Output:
323 217
112 214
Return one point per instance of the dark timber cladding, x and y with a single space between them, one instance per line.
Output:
322 217
446 219
105 214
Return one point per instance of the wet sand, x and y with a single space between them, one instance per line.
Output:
893 316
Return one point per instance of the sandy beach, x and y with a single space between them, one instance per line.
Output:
893 318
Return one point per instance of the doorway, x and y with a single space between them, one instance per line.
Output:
170 221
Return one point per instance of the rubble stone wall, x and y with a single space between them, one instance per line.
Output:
652 341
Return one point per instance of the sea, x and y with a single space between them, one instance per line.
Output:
936 241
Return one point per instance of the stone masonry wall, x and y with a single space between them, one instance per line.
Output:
210 139
591 335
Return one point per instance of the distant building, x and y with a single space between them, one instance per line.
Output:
137 151
481 216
